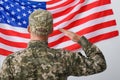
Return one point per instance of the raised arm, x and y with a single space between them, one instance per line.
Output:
79 65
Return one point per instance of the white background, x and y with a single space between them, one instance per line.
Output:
111 51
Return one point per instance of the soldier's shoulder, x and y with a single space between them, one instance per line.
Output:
14 54
60 51
55 50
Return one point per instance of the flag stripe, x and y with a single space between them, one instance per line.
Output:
4 52
66 8
9 48
88 35
14 33
11 43
76 16
54 4
13 28
94 40
85 19
14 38
97 27
82 8
78 28
71 43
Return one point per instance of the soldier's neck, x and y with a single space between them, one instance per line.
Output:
40 37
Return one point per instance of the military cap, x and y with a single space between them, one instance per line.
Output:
41 22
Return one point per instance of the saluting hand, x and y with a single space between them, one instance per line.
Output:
74 37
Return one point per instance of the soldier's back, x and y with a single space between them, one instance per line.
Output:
39 63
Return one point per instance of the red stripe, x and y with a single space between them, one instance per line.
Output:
83 20
57 6
97 27
66 11
94 39
85 31
14 33
53 1
4 52
104 36
81 9
75 46
87 18
14 44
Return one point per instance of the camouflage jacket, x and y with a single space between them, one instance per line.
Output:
39 62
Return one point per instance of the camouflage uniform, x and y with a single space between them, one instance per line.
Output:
39 62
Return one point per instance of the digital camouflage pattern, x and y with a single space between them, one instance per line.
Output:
39 62
41 22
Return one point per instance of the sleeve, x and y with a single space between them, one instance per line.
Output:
79 65
5 72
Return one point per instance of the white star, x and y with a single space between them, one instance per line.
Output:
1 2
23 7
24 22
28 2
19 23
7 13
7 7
17 3
39 4
34 6
13 13
8 21
6 0
3 16
24 14
1 8
29 11
18 17
13 19
11 5
23 3
18 9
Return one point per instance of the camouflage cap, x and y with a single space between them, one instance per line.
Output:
41 22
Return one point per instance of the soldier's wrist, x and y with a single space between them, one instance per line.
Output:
84 42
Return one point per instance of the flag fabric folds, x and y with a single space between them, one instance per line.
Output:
91 18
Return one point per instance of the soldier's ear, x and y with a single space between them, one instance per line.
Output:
28 28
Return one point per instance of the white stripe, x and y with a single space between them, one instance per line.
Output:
92 23
53 11
58 3
67 6
101 31
9 48
89 35
14 38
9 27
83 26
83 14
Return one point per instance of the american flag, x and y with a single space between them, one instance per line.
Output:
92 18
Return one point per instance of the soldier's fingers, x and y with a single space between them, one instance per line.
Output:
65 31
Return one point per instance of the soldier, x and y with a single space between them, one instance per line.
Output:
39 62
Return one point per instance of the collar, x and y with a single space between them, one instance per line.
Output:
37 43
